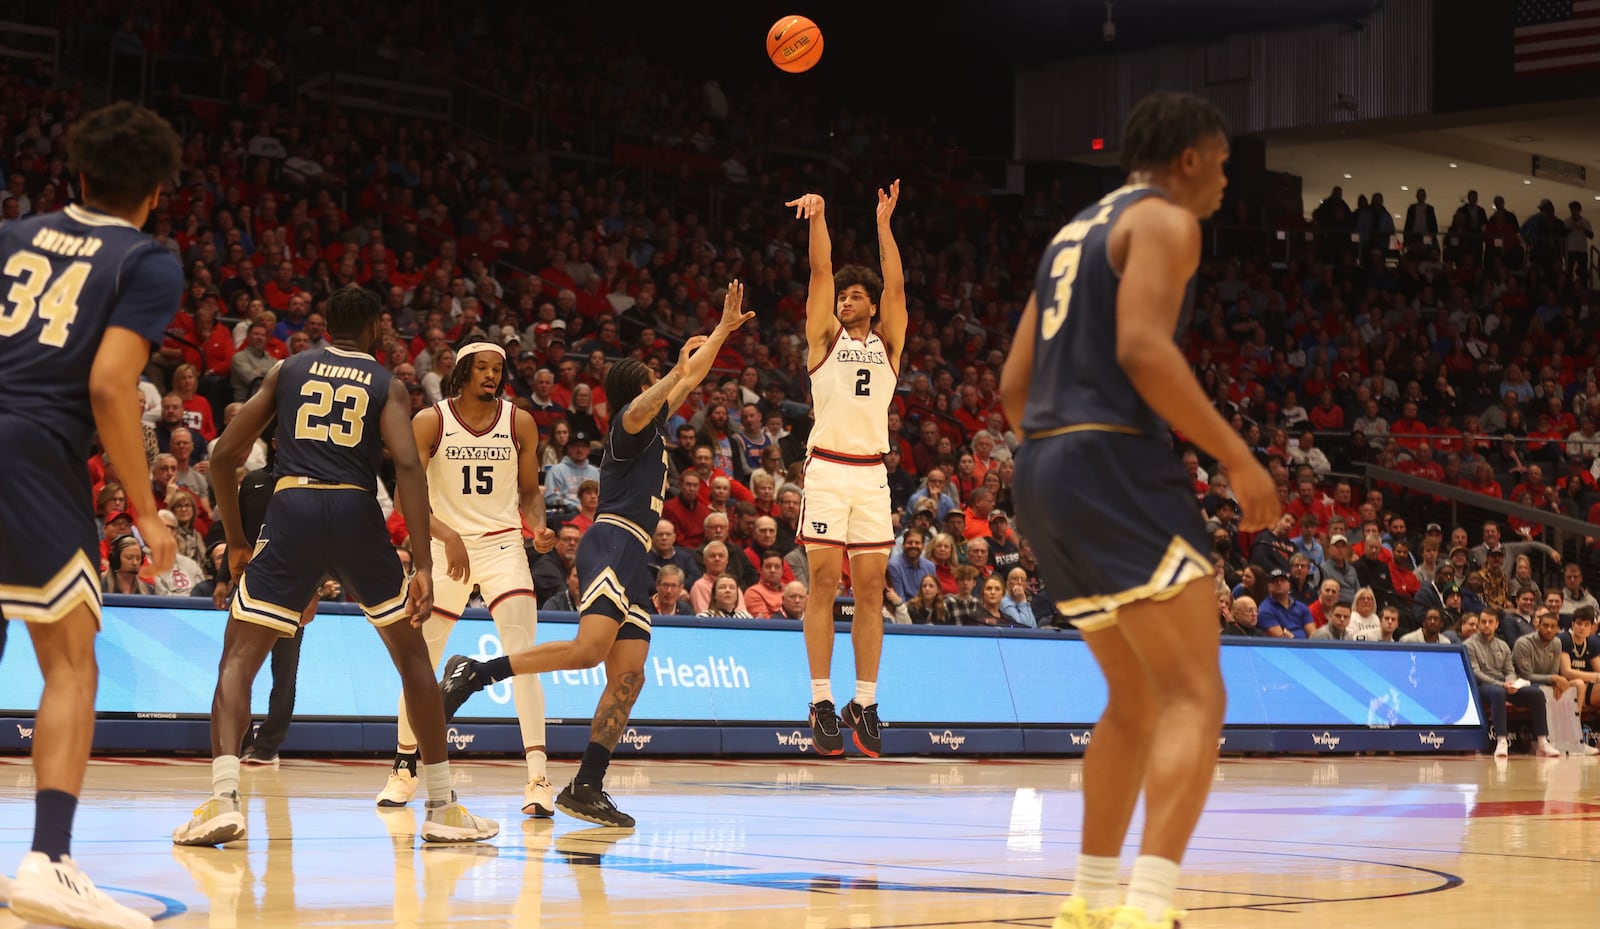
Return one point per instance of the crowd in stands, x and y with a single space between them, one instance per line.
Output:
1465 357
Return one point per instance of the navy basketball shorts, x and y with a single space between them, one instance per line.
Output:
314 531
49 549
614 577
1112 519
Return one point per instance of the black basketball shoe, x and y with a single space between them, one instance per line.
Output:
460 681
864 727
591 804
825 737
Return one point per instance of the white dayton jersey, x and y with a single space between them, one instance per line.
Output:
473 476
851 388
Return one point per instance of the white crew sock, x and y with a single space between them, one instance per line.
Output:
1095 881
224 775
536 763
821 689
1152 885
866 693
437 779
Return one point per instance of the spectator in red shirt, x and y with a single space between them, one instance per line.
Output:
1422 464
1308 502
1408 429
1344 505
1326 416
1539 493
687 511
1447 438
281 287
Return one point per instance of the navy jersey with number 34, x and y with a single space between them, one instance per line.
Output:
1076 378
65 278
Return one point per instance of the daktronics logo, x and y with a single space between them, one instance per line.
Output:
796 740
636 739
459 739
24 732
948 739
1325 740
1430 739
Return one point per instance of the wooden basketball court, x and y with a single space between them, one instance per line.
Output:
1285 843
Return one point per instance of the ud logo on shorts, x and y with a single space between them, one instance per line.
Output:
819 528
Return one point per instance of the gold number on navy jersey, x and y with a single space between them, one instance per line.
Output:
660 499
320 399
1064 267
863 382
36 288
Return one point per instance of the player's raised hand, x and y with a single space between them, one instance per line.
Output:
806 206
421 606
888 201
1257 495
690 345
159 541
734 314
544 539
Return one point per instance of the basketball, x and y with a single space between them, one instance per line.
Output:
794 44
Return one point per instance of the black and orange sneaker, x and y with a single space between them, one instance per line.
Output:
825 737
864 727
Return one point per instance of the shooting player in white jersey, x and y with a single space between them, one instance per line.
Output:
847 511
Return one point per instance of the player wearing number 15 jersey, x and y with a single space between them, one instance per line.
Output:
84 294
482 457
613 576
337 410
1093 377
847 512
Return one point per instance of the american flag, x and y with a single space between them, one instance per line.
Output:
1557 35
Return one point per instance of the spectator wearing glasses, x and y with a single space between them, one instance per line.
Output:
934 488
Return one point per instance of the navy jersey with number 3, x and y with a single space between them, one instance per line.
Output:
1076 378
330 402
67 278
633 472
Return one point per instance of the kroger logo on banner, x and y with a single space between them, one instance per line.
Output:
460 740
947 739
1430 739
1325 740
796 740
636 739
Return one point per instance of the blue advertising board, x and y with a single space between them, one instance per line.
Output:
742 686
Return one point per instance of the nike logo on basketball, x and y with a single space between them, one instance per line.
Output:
778 36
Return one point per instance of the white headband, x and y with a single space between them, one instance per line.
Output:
480 347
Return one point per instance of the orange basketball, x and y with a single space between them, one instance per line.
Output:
794 44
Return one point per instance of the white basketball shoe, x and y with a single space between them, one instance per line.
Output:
539 798
400 789
58 894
